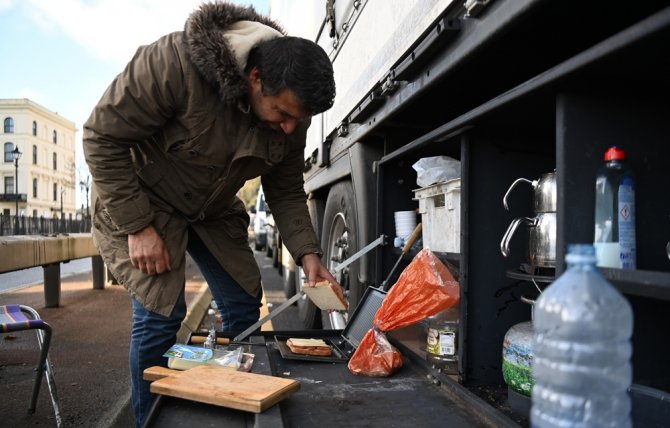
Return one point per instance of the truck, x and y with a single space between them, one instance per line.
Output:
511 89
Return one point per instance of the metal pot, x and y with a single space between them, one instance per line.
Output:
544 198
541 238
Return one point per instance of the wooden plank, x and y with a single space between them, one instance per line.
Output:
22 252
249 392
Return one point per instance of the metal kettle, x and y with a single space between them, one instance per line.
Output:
544 192
542 227
541 239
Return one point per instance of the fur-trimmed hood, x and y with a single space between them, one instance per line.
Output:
219 37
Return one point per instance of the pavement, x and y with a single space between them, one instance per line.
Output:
89 349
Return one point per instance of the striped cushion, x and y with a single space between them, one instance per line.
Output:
12 319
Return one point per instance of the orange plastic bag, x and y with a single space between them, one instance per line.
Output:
424 288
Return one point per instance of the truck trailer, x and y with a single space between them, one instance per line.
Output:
511 89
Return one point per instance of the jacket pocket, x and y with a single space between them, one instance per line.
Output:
146 169
236 223
191 150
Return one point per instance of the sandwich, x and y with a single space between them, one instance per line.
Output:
309 347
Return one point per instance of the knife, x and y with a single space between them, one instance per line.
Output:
240 337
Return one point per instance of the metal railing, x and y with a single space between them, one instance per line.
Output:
22 225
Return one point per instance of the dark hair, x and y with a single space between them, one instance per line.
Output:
296 64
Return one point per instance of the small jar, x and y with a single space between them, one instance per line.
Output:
442 340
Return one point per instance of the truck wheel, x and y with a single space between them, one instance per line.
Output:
279 256
275 256
306 309
289 281
339 239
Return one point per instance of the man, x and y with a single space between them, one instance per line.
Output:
190 119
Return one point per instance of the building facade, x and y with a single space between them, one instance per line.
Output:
46 167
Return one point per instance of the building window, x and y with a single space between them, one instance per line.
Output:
34 154
55 137
9 125
55 191
9 185
9 148
34 213
55 161
35 188
34 128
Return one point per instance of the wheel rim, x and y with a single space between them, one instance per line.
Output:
337 251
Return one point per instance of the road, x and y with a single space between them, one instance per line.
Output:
23 278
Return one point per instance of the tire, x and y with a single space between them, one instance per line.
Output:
339 240
307 312
276 248
289 281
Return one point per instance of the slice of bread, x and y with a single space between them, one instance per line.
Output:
309 347
324 296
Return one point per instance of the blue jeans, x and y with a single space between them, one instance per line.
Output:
153 334
238 309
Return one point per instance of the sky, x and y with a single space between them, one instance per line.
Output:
62 54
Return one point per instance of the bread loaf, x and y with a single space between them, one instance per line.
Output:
325 297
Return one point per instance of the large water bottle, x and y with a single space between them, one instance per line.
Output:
582 329
614 237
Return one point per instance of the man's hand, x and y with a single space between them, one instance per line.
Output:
315 271
148 252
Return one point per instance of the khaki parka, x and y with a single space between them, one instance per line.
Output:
172 141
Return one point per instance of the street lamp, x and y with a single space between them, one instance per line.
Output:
85 185
62 220
16 154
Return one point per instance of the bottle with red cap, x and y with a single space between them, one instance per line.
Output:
614 237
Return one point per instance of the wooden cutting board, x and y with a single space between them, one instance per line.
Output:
250 392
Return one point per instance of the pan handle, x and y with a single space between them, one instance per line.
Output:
412 238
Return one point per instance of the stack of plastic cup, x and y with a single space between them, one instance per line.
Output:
405 223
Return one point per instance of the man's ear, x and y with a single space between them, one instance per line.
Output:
254 75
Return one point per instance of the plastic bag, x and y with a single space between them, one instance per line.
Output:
184 357
436 169
424 288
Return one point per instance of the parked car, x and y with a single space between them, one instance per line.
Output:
260 221
272 238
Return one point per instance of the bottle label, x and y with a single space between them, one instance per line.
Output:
441 342
608 254
627 223
447 343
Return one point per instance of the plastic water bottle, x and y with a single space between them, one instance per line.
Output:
210 342
581 349
615 212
